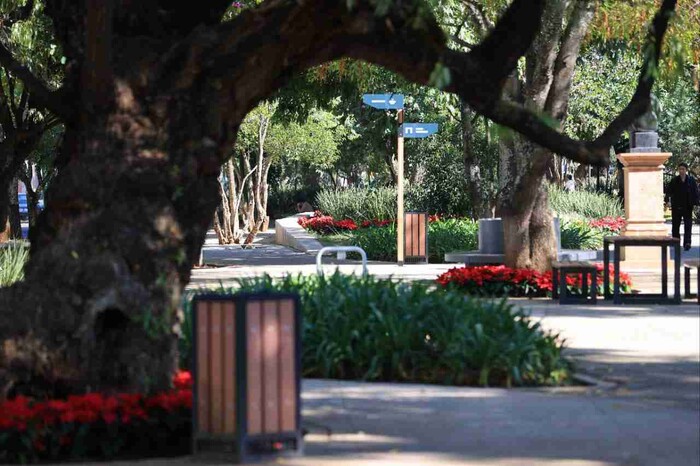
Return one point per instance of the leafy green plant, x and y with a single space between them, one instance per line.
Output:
370 329
451 235
443 236
578 234
378 242
358 204
584 204
12 260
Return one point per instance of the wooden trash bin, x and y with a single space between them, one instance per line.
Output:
246 368
416 237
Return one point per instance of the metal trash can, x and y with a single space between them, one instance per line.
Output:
246 369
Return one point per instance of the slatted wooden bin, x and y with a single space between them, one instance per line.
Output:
416 237
247 363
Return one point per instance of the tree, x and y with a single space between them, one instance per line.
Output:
153 97
245 191
23 123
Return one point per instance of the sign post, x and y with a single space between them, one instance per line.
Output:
399 195
406 130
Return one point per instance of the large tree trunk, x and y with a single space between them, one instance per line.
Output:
529 240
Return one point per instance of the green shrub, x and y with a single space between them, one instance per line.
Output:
283 200
584 204
443 236
578 234
12 260
358 204
451 235
378 242
370 329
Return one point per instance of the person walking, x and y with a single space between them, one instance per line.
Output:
570 185
684 194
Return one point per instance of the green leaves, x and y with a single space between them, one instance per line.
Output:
584 204
363 328
12 260
440 77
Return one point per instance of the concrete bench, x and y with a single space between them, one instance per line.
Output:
561 269
689 264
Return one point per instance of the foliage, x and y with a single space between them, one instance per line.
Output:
579 234
12 260
378 243
325 224
371 329
447 235
358 204
584 204
499 280
283 198
313 143
605 81
628 21
98 426
378 237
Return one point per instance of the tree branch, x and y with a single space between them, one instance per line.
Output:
245 58
641 99
41 95
558 97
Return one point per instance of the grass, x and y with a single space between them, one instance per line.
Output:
584 204
12 260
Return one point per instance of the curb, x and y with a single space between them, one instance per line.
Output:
593 381
289 233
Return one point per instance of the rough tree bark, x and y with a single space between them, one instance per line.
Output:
523 204
153 97
480 202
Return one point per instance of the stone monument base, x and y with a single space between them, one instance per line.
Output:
644 200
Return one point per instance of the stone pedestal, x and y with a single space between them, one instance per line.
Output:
644 205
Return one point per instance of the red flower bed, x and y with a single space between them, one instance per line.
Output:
499 280
325 224
97 425
376 223
611 224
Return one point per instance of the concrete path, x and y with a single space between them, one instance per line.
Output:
652 353
390 424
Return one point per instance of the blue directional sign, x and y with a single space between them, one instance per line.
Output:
418 130
384 101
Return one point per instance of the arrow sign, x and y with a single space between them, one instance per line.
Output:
418 130
384 101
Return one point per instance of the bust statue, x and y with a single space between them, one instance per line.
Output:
647 121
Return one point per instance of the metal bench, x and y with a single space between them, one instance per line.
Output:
689 264
559 291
